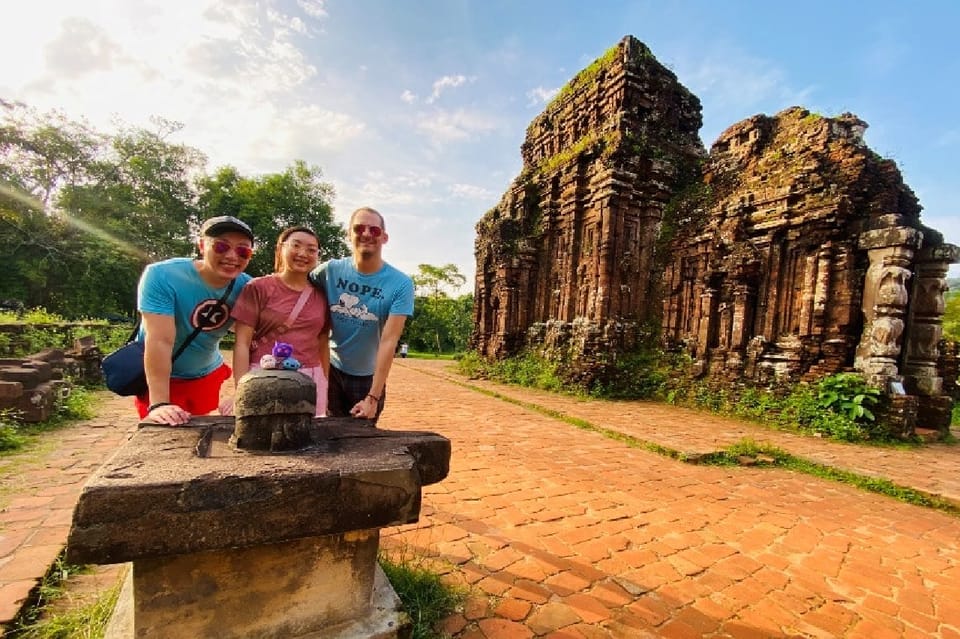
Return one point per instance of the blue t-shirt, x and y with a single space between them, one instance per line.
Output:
359 307
174 287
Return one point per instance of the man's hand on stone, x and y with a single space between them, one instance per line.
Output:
366 408
169 414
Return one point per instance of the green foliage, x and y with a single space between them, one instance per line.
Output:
425 597
82 212
86 622
273 202
640 375
848 394
440 323
10 436
526 369
586 76
951 313
39 330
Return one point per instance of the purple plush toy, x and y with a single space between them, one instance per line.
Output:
282 350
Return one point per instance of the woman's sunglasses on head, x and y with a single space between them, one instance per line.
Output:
243 252
375 231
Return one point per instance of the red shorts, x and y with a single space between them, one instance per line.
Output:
196 396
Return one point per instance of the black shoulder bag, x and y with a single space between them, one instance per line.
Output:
123 368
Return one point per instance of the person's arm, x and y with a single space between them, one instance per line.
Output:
160 333
324 341
241 350
243 335
367 407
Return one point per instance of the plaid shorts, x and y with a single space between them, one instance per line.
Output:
343 391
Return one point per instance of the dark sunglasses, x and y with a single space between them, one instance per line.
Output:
375 231
243 252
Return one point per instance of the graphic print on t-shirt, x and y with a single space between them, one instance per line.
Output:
350 306
210 314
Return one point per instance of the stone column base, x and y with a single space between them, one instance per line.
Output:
329 587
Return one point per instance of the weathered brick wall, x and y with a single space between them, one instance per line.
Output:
791 252
571 245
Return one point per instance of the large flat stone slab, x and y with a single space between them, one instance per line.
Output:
181 490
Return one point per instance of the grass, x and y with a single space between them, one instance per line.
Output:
425 597
84 622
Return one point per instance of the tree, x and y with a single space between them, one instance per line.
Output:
951 317
141 193
440 323
432 280
273 202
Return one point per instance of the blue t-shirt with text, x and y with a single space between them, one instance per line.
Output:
359 307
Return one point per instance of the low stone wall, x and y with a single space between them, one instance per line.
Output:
30 386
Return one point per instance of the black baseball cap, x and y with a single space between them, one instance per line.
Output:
224 224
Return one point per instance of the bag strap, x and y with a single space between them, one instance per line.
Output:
301 302
198 329
287 323
136 329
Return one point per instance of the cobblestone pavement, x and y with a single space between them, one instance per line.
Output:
565 533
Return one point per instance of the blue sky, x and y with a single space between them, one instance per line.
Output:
419 108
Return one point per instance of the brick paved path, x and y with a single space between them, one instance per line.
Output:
37 499
564 533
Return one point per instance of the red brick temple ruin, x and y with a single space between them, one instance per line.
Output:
791 251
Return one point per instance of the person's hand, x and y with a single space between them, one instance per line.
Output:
165 413
366 408
226 406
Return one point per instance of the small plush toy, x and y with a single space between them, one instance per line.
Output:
282 358
282 350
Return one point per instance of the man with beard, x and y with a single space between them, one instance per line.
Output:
370 302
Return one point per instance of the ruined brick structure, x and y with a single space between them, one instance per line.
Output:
569 249
790 252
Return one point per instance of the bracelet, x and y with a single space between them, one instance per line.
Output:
158 405
375 398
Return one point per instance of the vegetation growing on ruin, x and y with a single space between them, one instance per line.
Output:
586 76
838 407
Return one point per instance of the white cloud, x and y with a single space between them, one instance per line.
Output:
540 95
471 192
390 190
313 8
445 126
81 47
408 96
447 82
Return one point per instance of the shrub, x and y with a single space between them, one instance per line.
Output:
849 394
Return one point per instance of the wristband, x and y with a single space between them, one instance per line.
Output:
158 405
375 398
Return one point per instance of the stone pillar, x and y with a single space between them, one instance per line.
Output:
707 323
229 544
808 295
925 328
821 293
743 296
885 298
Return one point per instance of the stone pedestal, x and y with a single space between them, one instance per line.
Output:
232 544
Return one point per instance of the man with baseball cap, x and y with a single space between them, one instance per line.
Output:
185 304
